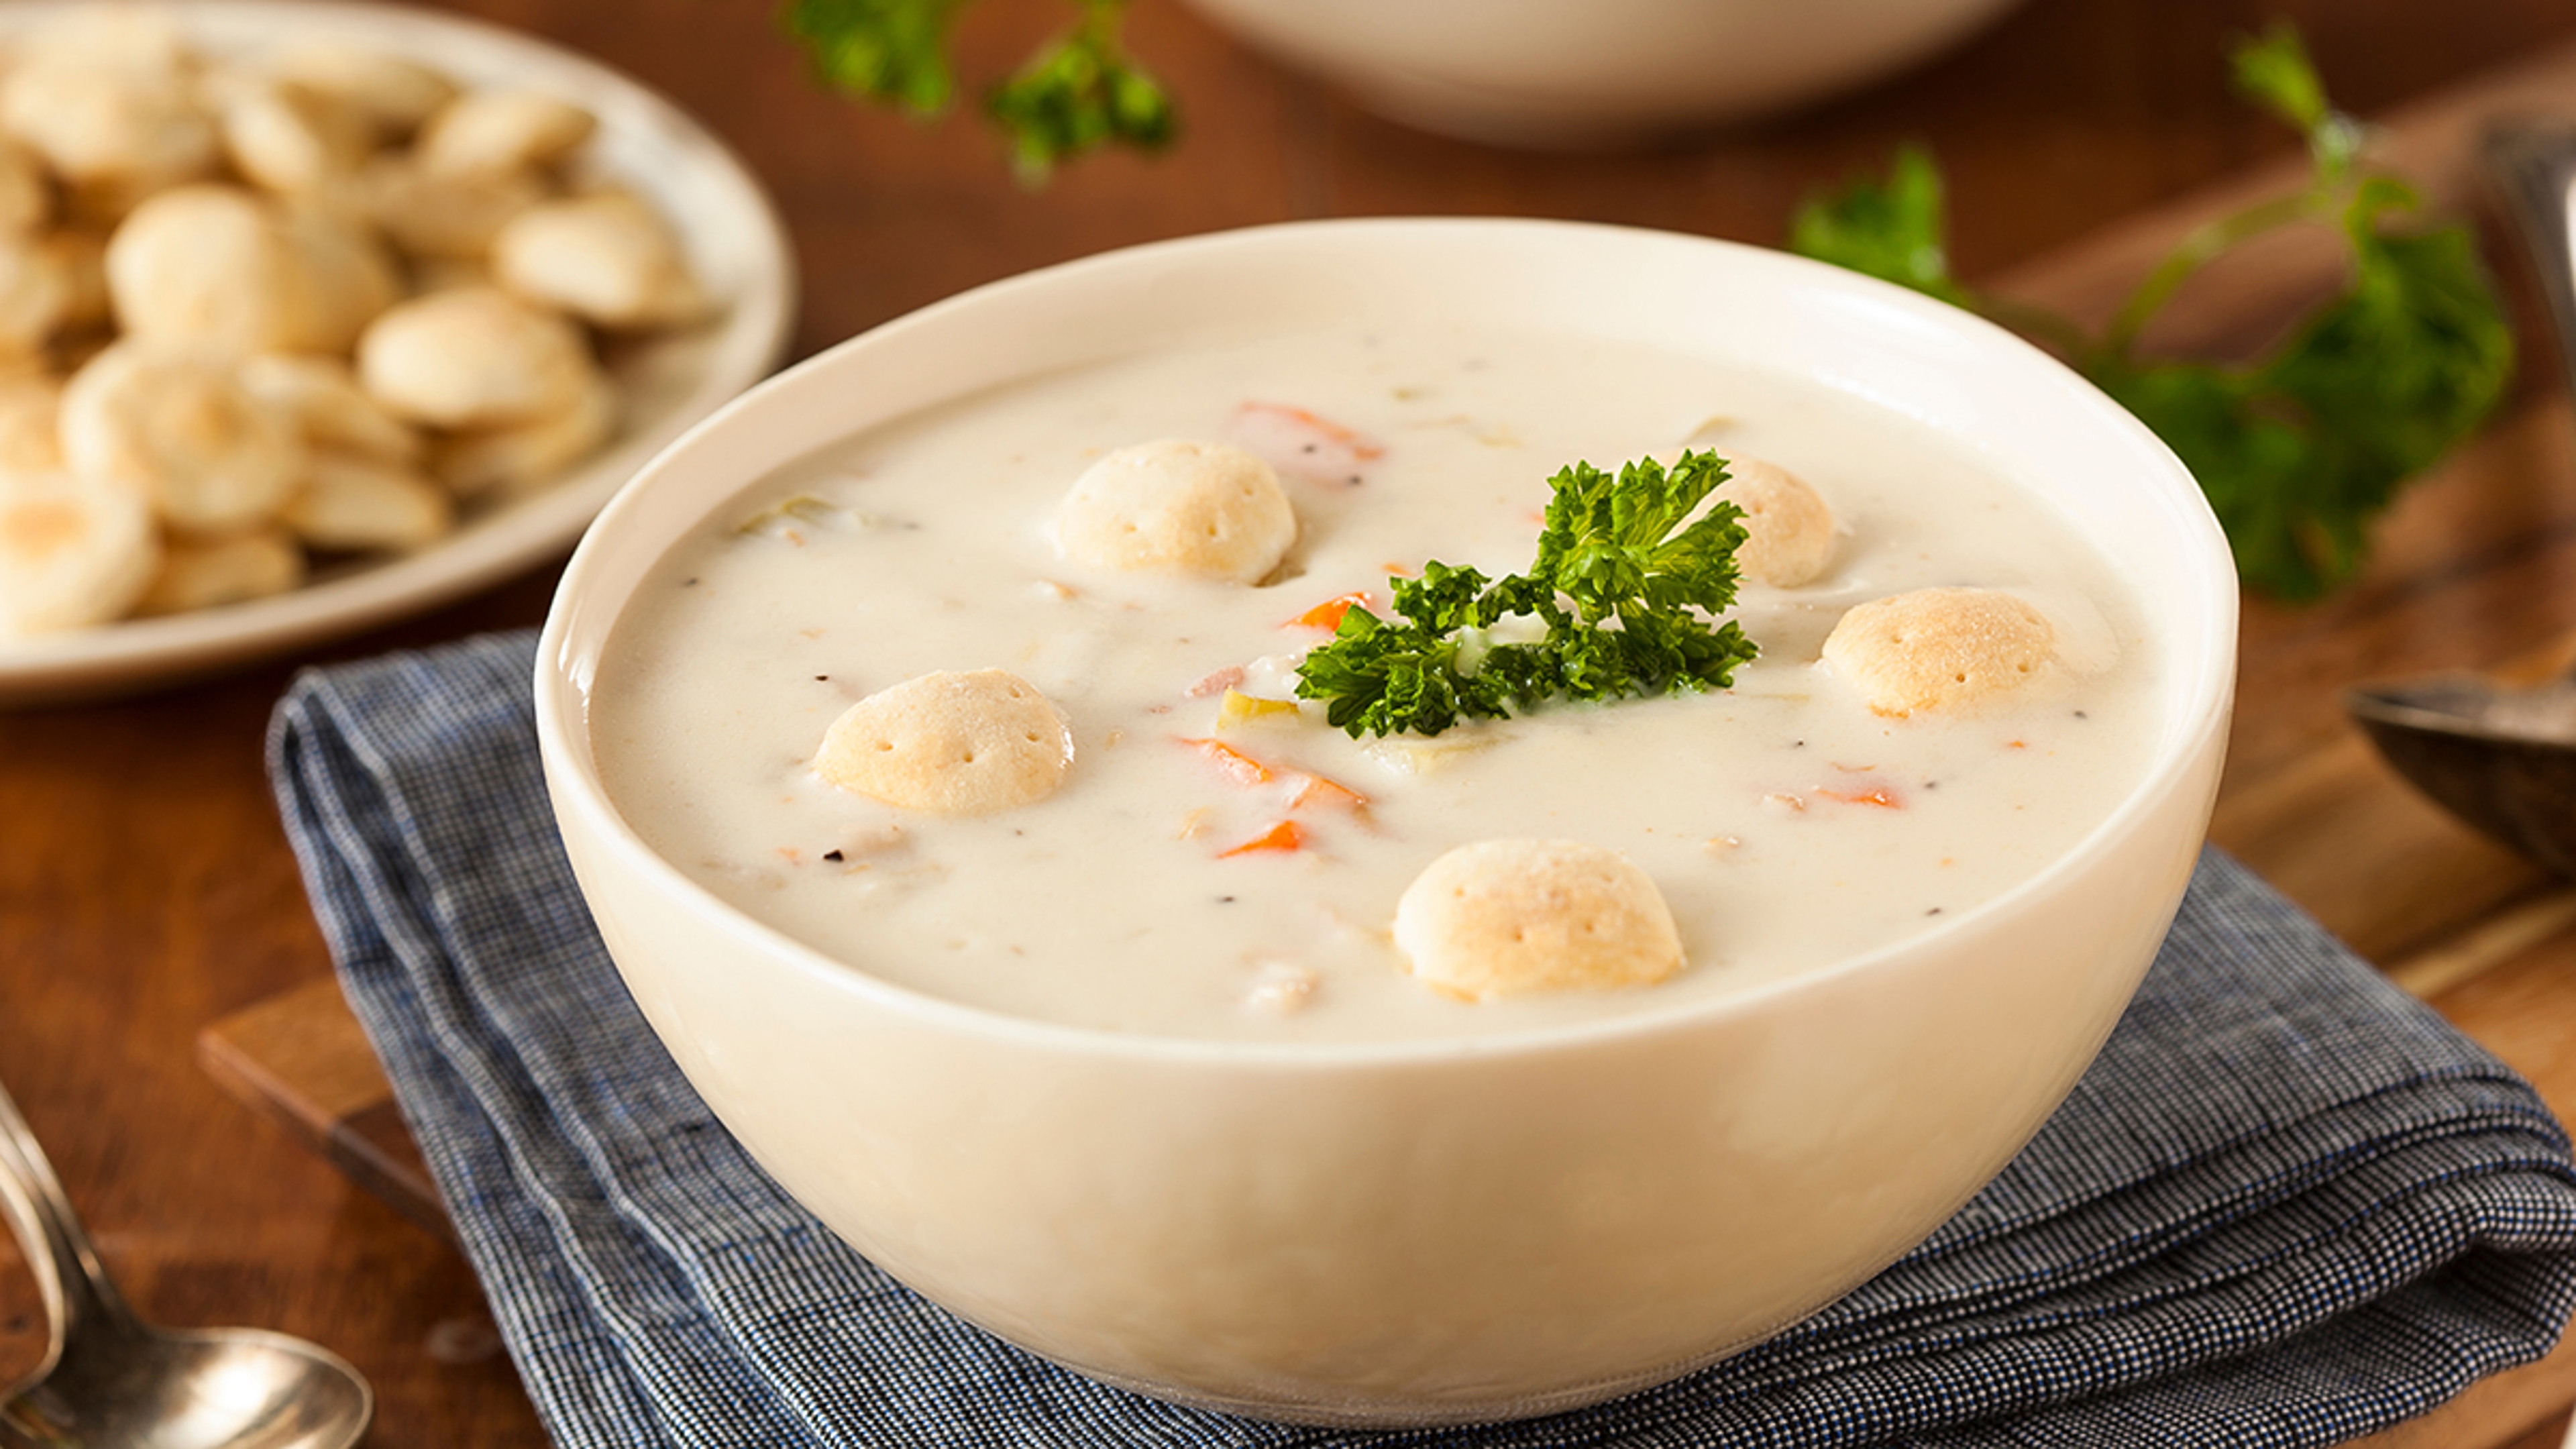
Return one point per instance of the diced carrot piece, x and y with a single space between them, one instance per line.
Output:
1303 446
1359 446
1244 769
1316 792
1880 796
1280 837
1328 614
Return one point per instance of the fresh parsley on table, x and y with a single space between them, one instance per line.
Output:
1627 584
1077 93
2301 449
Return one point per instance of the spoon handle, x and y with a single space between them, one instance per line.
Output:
2534 164
79 1297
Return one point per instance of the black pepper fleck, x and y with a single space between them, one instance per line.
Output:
1936 910
688 583
819 678
1225 900
2079 714
832 855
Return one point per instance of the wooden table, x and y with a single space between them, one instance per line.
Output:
146 890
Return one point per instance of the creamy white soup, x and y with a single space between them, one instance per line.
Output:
1218 865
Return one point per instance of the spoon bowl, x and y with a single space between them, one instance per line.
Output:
2498 754
109 1378
2501 757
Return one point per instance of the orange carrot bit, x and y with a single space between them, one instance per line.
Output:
1303 446
1240 767
1316 792
1360 447
1284 836
1328 614
1877 795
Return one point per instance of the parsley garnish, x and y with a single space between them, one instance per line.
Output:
2299 450
1078 93
1626 583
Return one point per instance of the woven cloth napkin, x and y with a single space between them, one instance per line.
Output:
2288 1205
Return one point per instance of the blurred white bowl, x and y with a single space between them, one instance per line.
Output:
1419 1232
1559 75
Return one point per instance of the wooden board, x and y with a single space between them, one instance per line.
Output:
302 1060
2483 935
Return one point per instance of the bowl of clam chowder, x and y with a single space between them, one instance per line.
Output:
1394 822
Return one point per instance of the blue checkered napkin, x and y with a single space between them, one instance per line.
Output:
2287 1206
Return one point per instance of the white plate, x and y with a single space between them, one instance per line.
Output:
734 240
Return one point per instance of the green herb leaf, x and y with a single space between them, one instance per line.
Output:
1080 95
1892 230
1076 94
894 51
2301 450
1626 581
2274 72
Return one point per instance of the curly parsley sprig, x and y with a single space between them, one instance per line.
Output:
2301 449
1078 93
1626 582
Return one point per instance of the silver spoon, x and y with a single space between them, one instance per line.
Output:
2502 757
111 1379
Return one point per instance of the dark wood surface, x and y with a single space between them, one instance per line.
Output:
146 890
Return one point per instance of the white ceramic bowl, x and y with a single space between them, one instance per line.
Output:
1553 75
1419 1233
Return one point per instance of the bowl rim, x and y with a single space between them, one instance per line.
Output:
2199 723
